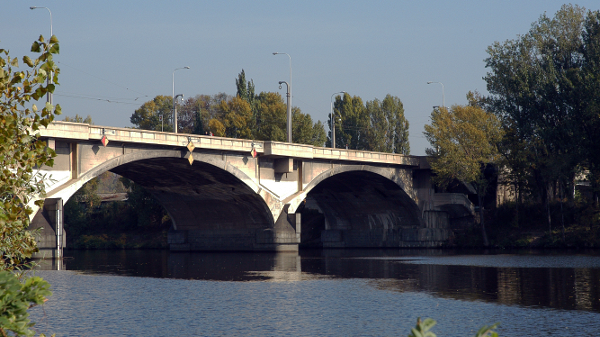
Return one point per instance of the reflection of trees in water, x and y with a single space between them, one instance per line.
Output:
560 288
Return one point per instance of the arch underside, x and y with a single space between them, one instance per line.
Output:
360 209
199 196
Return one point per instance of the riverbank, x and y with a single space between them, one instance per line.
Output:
142 238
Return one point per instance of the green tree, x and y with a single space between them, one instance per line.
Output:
463 140
542 89
21 154
79 119
271 117
304 131
21 151
589 122
236 116
146 209
245 90
388 131
351 123
147 117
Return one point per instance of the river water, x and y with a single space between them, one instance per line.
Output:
320 293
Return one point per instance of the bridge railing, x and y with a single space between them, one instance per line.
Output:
80 131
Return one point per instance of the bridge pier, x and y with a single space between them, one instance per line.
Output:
283 236
51 238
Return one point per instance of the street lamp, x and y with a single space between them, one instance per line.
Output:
48 95
443 97
289 99
333 120
289 110
175 110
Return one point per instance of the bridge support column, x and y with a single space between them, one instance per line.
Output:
51 236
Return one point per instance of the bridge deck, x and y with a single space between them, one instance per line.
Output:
80 131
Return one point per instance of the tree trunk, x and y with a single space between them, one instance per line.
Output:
482 219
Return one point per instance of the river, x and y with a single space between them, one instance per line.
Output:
321 293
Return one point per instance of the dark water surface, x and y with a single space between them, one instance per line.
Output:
321 293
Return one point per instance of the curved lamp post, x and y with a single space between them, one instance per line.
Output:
443 97
289 99
48 95
333 120
289 110
174 109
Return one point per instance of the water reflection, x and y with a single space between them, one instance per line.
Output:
514 279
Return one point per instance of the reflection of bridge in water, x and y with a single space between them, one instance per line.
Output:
236 194
402 270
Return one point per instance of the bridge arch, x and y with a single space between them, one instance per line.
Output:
186 190
360 206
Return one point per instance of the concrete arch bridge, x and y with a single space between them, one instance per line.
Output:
236 194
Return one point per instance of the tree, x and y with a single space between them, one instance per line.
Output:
304 131
245 90
147 117
463 140
78 119
271 117
21 151
542 88
388 131
21 154
236 116
590 84
351 123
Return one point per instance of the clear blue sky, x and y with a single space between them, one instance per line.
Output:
115 55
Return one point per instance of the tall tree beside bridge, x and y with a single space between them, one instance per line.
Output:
463 140
388 130
544 87
373 126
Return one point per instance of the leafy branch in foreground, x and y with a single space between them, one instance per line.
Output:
22 154
422 329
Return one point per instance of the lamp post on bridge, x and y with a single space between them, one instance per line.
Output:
443 96
289 99
49 80
333 120
175 109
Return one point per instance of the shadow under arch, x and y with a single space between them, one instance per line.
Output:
360 206
68 190
209 194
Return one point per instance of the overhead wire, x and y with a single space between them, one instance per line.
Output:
109 100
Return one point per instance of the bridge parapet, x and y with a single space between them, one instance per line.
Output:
80 131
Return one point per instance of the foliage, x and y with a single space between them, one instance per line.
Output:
304 131
246 116
148 116
245 90
79 119
373 126
545 89
422 329
21 152
93 224
16 298
464 140
351 122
